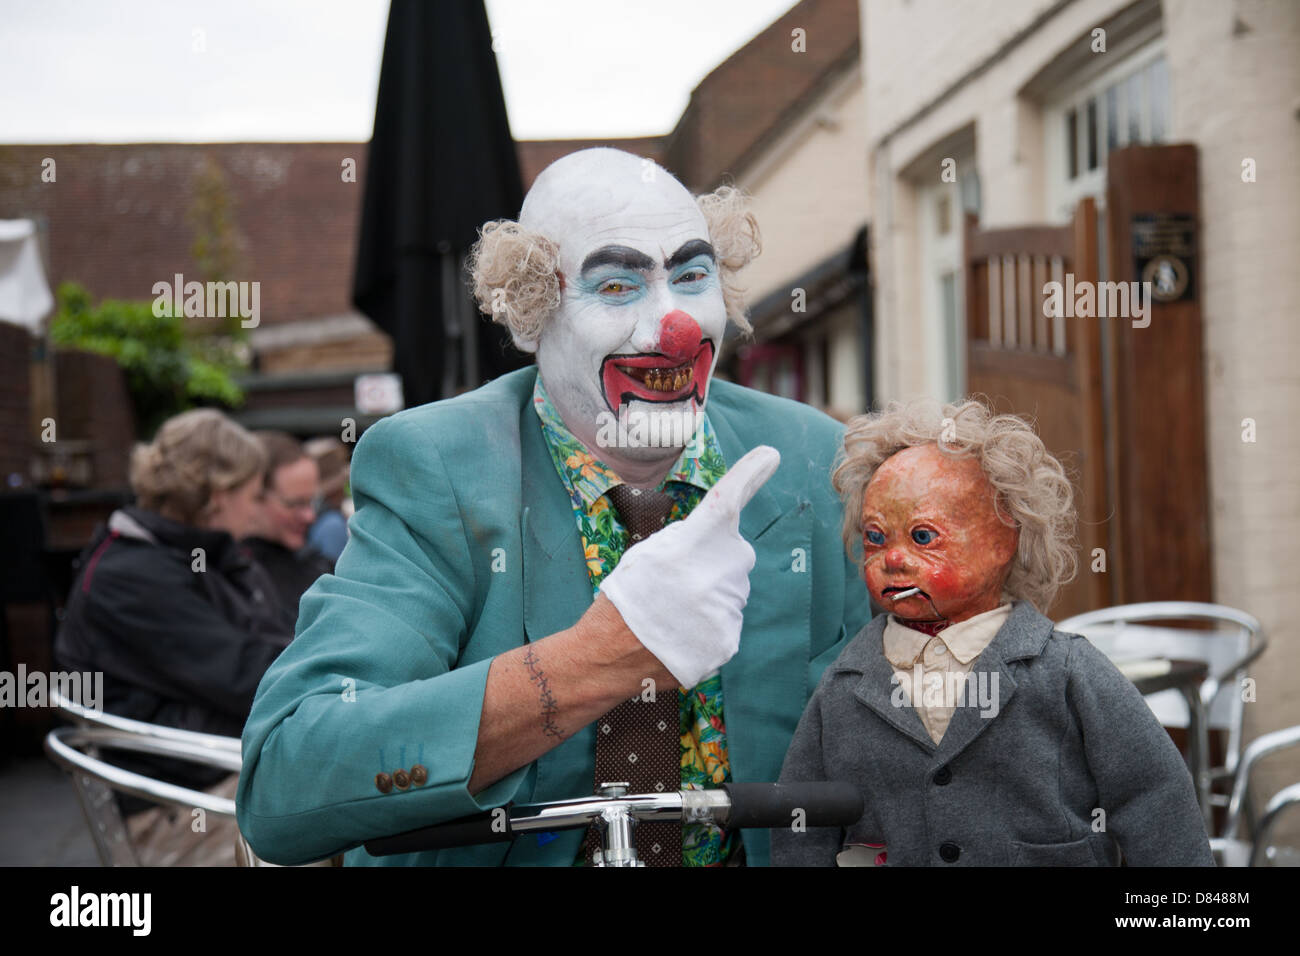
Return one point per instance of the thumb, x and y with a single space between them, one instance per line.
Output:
728 497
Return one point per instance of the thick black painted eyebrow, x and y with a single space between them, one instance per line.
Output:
624 256
688 251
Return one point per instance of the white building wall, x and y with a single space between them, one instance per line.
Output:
809 192
1237 96
809 189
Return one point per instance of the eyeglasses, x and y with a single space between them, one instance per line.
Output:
298 504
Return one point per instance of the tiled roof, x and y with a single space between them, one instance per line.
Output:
118 218
756 88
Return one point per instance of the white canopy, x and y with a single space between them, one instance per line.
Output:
25 297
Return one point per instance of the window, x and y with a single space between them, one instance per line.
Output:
1126 103
943 208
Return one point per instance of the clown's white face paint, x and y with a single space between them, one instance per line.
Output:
641 312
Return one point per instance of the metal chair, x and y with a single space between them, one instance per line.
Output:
1235 640
75 749
1257 849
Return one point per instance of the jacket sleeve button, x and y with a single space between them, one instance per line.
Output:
401 779
419 775
383 782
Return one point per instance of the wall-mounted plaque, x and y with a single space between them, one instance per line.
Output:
1164 254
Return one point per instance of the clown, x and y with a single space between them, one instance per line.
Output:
978 734
609 529
641 292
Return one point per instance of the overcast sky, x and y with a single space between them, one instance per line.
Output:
299 70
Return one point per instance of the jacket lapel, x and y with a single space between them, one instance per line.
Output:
878 689
764 685
557 591
1024 635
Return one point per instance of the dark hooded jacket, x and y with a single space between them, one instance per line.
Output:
182 622
291 572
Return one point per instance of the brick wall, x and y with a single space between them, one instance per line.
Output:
93 406
15 403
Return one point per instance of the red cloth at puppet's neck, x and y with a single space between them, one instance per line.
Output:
925 627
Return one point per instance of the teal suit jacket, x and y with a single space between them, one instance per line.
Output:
464 545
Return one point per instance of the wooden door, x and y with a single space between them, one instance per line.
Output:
1044 368
1118 397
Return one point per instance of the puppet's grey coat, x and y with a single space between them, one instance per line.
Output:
1019 782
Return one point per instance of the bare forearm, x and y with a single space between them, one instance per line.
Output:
541 694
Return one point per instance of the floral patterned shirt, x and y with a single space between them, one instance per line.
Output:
604 539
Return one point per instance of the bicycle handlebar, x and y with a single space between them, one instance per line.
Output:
734 805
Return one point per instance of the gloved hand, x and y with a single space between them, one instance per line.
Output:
682 590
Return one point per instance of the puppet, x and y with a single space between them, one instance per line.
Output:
978 734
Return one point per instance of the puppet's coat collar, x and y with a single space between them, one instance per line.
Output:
1024 635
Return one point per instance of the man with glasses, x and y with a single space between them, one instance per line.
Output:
290 501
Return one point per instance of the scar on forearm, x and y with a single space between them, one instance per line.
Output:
550 707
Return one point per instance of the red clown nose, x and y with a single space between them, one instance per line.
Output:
679 335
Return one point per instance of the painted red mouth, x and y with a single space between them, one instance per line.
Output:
652 377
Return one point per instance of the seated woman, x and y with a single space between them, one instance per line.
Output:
180 619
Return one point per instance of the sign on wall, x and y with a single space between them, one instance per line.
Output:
1164 254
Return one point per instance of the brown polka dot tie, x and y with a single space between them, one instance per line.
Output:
639 741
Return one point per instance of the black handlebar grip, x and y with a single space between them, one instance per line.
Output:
773 805
490 827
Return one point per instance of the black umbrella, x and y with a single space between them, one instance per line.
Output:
441 163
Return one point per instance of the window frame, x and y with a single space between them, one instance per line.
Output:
1063 192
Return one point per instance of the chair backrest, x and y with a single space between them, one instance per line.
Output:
1281 801
1233 641
1260 747
76 749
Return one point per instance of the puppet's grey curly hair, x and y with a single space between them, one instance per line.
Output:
1033 491
514 271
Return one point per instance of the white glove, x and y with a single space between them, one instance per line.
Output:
682 590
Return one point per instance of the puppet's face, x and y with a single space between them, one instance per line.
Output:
641 311
928 521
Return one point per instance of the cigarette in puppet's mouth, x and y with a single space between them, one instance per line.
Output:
898 596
